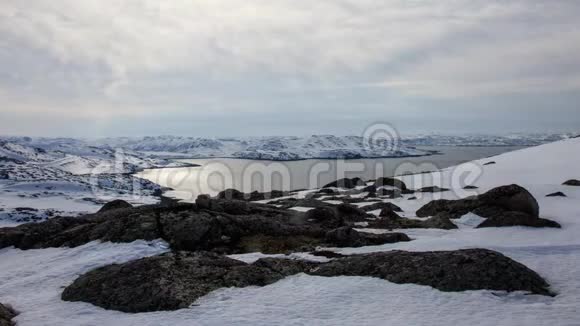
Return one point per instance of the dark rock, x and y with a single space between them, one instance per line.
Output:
230 194
556 194
381 205
327 254
176 280
489 163
350 213
511 218
461 270
389 193
469 187
433 189
326 216
327 191
6 315
370 189
349 237
203 202
345 183
385 181
412 198
170 281
572 182
115 204
511 198
394 221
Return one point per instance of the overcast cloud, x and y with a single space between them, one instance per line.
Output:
264 67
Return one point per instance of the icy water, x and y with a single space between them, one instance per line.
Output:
216 174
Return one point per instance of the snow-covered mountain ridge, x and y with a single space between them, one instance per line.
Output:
278 148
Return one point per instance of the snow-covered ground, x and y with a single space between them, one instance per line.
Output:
32 280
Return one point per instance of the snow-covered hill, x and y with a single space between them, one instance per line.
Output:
268 148
37 183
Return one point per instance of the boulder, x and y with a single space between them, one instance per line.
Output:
433 189
389 193
345 183
170 281
391 220
6 315
511 198
349 237
176 280
460 270
203 201
572 182
511 218
556 194
385 181
115 204
381 205
326 216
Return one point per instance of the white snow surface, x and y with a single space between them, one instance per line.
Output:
31 281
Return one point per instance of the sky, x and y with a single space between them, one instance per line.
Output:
96 68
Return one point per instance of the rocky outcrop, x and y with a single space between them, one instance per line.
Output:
176 280
572 182
230 194
224 226
392 182
115 204
432 189
345 183
391 220
349 237
170 281
511 218
381 205
6 315
502 206
461 270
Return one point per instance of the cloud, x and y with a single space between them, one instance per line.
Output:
231 56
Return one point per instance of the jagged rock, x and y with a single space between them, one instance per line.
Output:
115 204
572 182
385 181
349 237
556 194
176 280
381 205
345 183
6 315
